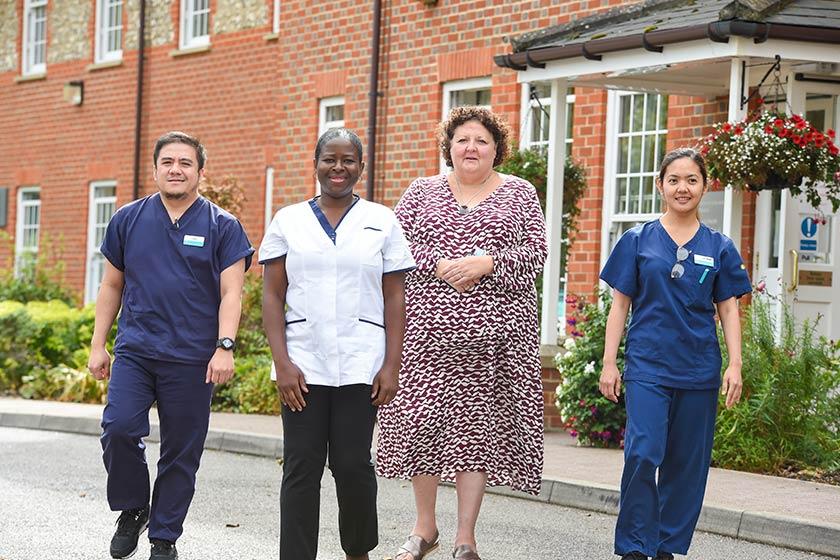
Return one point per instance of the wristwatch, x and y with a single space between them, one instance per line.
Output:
226 343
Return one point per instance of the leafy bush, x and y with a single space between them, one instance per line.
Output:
37 277
585 412
39 336
63 383
790 410
251 390
228 193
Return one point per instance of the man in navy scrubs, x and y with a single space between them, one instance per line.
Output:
175 265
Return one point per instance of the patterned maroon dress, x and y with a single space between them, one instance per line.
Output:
470 396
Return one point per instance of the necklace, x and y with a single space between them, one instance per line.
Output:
465 208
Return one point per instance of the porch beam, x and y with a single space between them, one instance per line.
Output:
554 211
733 200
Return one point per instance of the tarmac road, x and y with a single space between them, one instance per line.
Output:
53 506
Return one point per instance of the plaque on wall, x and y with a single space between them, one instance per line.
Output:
815 278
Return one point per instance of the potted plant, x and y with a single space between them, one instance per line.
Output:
773 150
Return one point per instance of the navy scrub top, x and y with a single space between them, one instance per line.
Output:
672 339
170 303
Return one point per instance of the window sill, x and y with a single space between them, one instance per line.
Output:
271 36
189 50
31 78
103 65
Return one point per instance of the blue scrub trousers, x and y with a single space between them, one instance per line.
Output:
671 430
183 404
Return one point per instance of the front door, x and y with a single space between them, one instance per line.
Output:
797 253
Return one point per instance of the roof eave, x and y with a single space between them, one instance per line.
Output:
719 31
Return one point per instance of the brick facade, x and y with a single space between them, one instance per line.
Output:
253 97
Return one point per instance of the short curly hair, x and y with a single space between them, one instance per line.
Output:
489 120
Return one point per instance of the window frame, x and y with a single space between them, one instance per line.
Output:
611 217
275 17
93 251
20 225
28 67
103 31
187 38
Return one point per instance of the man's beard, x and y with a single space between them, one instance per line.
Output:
175 196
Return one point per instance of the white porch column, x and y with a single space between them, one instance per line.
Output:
554 210
733 200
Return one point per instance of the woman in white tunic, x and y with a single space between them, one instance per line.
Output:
334 314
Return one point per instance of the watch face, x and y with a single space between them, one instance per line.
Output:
226 343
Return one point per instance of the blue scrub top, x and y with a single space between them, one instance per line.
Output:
170 303
672 338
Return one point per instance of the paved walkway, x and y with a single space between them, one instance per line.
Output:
778 511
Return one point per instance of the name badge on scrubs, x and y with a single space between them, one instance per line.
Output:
704 260
194 240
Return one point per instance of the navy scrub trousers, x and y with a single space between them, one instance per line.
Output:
671 430
336 424
183 404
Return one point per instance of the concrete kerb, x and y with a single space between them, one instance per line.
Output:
755 526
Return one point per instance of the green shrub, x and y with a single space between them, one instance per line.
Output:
251 390
789 415
37 277
251 340
585 412
63 383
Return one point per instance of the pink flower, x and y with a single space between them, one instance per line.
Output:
760 287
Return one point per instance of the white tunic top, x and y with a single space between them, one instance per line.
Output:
335 326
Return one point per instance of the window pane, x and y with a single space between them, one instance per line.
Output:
621 199
635 154
470 97
334 113
648 196
650 152
634 196
663 112
625 113
570 120
31 195
638 113
650 111
623 147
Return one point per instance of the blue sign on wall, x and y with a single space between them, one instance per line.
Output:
809 227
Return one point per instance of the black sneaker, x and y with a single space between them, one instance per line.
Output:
664 556
163 550
130 525
634 556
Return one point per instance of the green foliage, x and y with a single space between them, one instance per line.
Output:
63 383
251 340
790 410
39 337
227 193
585 412
251 390
38 276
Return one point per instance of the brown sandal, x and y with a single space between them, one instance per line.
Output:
418 547
465 552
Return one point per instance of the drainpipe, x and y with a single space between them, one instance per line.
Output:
138 115
374 98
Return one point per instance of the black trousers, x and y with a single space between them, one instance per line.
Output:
336 424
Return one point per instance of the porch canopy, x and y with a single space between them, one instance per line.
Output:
689 47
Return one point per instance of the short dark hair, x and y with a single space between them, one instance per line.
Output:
176 137
334 133
488 119
680 153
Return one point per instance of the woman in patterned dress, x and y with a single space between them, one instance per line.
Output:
469 408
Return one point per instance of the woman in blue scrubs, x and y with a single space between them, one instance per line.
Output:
675 272
334 314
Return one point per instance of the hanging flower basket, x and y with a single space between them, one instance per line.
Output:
775 151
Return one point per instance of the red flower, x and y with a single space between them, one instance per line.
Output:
726 127
783 133
778 123
738 131
768 129
830 133
833 149
800 124
759 101
819 141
